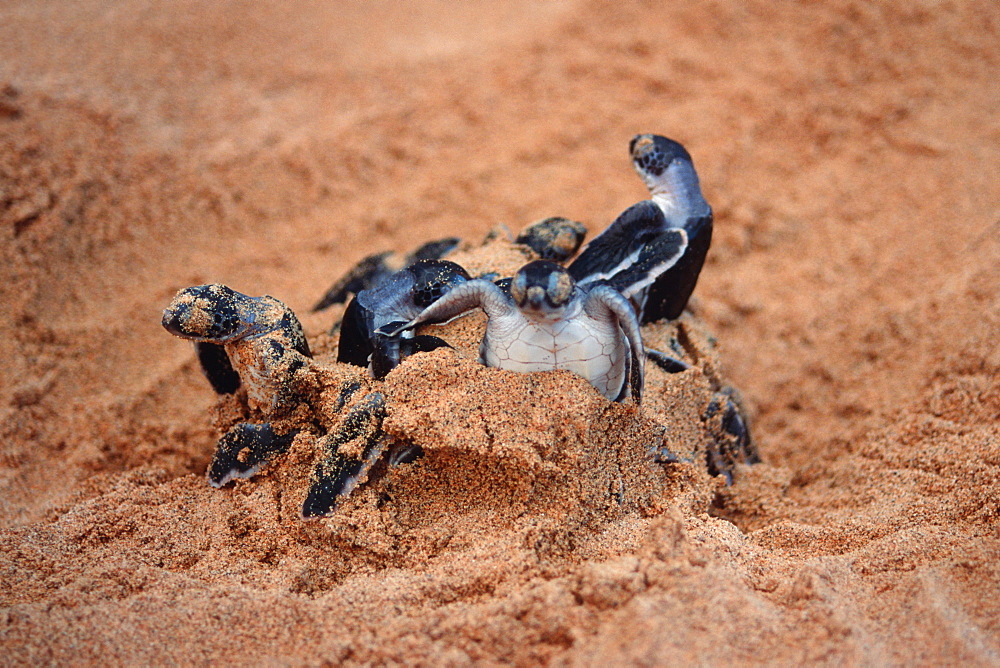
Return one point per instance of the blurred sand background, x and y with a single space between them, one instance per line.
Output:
850 151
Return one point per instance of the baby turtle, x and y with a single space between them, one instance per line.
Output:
388 304
391 300
252 342
547 321
676 203
256 340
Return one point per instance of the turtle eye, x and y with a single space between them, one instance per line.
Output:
560 288
519 288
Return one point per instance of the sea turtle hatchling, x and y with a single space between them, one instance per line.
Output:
391 302
253 343
676 203
258 335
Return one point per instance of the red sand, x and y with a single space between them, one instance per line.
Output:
850 151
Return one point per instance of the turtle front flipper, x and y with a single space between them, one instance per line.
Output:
668 296
355 346
244 450
217 367
730 443
618 246
477 293
389 350
606 298
657 256
338 473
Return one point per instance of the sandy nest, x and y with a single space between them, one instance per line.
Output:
849 151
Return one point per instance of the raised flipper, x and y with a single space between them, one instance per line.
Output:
244 450
667 298
618 246
337 474
217 367
656 257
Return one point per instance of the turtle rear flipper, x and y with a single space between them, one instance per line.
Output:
666 362
730 443
434 250
367 273
244 450
337 474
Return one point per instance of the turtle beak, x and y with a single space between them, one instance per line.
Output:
172 321
535 298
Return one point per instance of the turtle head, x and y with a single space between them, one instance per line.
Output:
668 171
653 154
553 238
209 313
542 289
433 278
